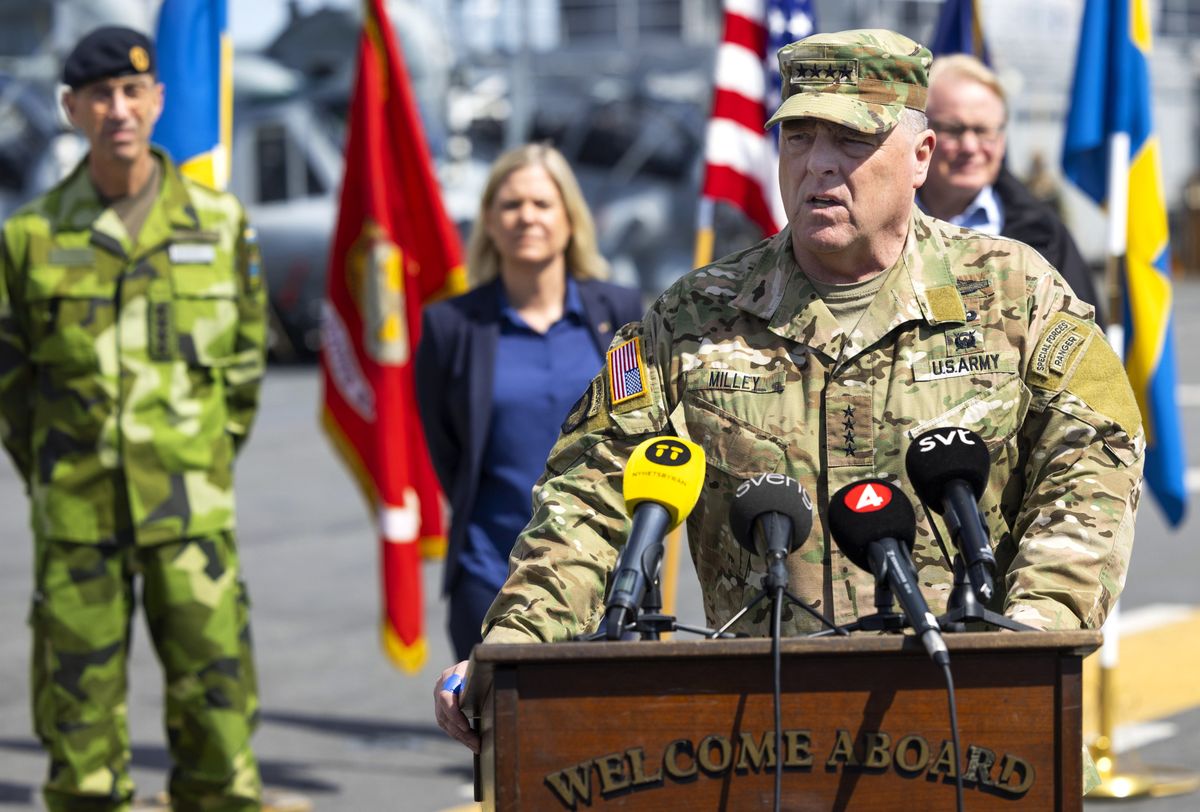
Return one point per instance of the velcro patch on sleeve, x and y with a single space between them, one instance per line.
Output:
1062 344
627 374
1099 381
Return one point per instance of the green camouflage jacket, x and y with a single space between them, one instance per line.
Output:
745 359
129 370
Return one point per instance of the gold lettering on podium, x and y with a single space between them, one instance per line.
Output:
869 753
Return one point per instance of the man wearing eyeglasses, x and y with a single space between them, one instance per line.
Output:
968 184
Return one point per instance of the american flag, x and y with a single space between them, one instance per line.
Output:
625 371
741 158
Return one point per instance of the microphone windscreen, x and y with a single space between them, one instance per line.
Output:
866 511
668 471
770 493
940 456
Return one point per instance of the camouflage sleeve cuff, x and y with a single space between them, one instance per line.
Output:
1042 614
507 634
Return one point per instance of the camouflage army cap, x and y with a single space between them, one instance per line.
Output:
859 79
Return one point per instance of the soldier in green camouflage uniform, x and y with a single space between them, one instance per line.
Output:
821 353
132 333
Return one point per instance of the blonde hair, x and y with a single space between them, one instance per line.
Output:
583 258
965 66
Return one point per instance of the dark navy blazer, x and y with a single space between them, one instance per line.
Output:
455 363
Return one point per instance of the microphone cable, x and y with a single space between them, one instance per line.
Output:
937 534
776 660
958 778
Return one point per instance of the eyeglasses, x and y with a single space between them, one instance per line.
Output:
953 131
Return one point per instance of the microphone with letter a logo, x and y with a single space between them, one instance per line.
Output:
873 524
868 497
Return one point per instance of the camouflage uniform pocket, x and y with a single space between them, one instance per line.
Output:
69 310
730 444
995 414
246 652
206 314
41 670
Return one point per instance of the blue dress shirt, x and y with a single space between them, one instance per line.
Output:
984 214
537 379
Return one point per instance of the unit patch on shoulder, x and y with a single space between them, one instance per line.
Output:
587 407
626 372
1059 346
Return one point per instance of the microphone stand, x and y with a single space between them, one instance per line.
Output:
650 623
963 606
885 618
775 587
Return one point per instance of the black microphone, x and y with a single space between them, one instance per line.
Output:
873 524
949 468
771 516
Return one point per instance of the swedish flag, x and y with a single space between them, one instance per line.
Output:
195 63
1111 153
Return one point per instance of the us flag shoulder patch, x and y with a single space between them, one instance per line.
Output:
626 377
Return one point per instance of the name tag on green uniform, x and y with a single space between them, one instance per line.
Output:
71 256
729 380
932 369
191 253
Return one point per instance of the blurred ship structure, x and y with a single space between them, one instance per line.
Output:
621 87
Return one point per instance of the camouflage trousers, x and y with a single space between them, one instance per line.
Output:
197 612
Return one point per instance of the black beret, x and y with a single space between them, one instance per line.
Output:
107 52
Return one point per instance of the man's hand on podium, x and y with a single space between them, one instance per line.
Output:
447 696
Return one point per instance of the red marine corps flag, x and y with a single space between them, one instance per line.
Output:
394 249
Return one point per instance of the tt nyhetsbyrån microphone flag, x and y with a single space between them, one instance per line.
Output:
195 64
741 159
1110 103
959 30
394 249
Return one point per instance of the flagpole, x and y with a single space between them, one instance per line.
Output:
703 252
669 576
1162 781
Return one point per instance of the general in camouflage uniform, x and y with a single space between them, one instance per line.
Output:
132 334
772 366
748 357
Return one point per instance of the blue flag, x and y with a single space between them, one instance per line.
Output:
959 30
787 21
195 64
1110 104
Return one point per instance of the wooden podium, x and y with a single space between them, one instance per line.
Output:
688 724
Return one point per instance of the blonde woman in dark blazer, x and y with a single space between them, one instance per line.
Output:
499 367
